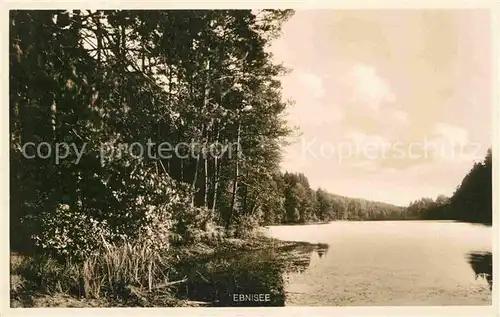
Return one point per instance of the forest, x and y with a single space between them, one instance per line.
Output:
97 78
471 201
302 204
94 78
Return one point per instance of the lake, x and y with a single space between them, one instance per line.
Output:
390 263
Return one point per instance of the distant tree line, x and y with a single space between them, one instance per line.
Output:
471 201
299 203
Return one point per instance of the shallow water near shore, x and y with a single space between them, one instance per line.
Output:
391 263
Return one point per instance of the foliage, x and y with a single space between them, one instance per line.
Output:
471 201
99 79
71 233
112 272
302 204
195 225
245 226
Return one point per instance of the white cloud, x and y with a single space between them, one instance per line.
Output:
338 86
399 117
449 143
312 83
371 95
365 149
311 110
368 88
363 139
366 166
451 133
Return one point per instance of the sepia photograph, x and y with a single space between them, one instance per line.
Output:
250 157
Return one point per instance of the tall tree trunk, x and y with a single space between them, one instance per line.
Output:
99 41
205 195
245 197
182 169
206 98
197 167
53 112
235 180
123 42
216 176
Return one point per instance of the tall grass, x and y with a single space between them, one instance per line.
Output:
137 274
119 270
123 265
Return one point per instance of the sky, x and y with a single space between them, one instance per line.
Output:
389 105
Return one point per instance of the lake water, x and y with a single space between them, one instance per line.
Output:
391 263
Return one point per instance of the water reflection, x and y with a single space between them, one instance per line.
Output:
481 263
322 249
389 263
303 253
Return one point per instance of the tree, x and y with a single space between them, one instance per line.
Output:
471 201
324 205
103 78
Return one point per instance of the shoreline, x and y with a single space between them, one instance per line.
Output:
264 257
209 276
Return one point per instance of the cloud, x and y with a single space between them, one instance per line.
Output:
368 88
399 117
451 133
363 139
363 167
366 71
311 109
362 150
371 102
312 83
452 144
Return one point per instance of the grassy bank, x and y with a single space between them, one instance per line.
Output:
126 276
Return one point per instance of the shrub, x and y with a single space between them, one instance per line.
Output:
246 225
69 232
193 225
144 209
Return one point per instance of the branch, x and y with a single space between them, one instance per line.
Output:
168 284
204 279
